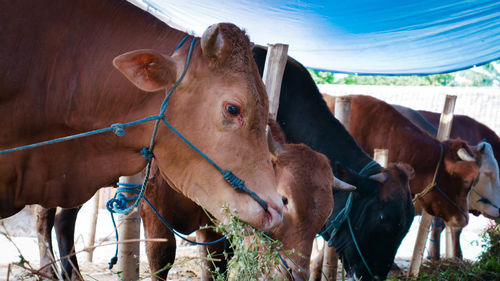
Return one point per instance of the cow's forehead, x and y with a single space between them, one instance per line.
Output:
396 187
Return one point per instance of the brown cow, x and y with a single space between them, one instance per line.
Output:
376 124
484 197
57 79
305 181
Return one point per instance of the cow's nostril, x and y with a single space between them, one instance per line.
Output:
285 200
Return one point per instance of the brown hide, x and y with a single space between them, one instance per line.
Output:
375 124
57 79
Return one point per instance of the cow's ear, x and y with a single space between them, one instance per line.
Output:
148 69
407 169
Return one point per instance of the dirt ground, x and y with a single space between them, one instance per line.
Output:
21 229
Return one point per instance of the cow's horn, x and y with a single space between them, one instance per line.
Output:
380 177
274 147
481 146
341 185
464 155
212 41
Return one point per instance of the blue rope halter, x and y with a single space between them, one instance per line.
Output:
343 216
118 129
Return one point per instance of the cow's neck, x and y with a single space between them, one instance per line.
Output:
405 141
78 40
117 100
423 156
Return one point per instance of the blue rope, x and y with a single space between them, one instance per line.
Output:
357 248
115 128
266 235
335 225
122 200
237 183
367 167
343 215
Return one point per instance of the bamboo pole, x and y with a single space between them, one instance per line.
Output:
93 205
130 227
273 75
343 110
444 129
330 263
381 156
330 258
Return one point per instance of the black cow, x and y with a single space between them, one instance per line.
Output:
381 214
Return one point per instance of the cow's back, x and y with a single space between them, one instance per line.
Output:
57 79
56 63
468 129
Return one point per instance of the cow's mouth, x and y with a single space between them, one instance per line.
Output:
272 218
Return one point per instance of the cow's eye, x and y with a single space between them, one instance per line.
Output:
285 200
232 109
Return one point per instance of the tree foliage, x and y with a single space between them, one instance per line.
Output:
487 75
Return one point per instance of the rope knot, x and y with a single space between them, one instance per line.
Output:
118 129
119 204
112 262
233 180
148 155
116 204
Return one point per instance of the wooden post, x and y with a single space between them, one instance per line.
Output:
330 258
93 205
330 263
443 133
343 110
273 75
447 118
130 227
381 156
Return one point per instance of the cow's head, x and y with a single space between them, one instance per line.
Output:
221 107
381 215
305 181
459 170
484 197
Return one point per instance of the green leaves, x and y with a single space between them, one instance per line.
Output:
483 76
255 255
